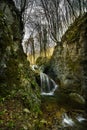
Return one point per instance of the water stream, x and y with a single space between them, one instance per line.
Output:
48 85
60 117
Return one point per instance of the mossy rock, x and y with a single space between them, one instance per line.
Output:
16 77
77 98
44 63
73 32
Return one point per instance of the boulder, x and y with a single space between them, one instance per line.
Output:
77 98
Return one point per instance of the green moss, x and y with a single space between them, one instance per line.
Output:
18 86
73 32
44 63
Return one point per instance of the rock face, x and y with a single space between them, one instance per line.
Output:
18 87
69 61
15 74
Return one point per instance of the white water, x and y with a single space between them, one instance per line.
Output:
67 121
80 118
48 85
34 67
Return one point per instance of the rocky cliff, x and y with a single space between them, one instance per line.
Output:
18 87
69 61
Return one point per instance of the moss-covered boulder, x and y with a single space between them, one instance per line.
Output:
76 97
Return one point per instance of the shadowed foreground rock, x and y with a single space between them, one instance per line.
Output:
18 88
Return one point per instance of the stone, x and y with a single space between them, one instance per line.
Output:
26 110
76 97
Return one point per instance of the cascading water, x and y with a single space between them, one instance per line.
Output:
69 119
48 85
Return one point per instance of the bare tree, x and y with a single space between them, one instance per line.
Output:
30 46
56 15
60 13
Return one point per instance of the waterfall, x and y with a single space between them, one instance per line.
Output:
48 85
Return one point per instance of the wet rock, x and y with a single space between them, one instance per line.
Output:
78 98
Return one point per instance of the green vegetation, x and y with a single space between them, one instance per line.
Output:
73 32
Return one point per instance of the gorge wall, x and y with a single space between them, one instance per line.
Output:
18 87
69 60
15 73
